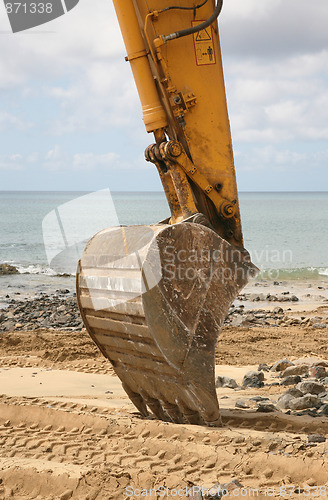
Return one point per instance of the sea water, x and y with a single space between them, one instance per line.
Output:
285 233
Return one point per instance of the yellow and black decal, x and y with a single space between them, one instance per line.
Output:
204 45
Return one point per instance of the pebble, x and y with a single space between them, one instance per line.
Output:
42 312
60 311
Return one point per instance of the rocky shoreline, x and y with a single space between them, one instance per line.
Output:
60 311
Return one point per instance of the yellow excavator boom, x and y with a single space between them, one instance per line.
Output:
153 298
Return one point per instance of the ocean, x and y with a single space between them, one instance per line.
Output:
285 233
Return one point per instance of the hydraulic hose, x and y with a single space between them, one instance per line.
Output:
199 27
178 7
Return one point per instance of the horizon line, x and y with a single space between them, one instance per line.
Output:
136 191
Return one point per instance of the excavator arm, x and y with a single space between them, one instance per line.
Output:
181 89
153 298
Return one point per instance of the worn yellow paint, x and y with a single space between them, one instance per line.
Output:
184 94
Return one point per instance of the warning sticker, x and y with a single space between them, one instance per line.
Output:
204 45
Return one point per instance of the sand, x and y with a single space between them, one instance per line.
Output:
67 429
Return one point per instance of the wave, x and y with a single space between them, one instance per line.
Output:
304 273
298 273
35 269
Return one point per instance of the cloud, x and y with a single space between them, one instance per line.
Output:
273 28
91 161
276 69
57 159
277 102
8 120
272 158
12 162
89 32
104 98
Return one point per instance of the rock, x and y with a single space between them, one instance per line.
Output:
41 312
322 362
195 494
316 438
222 381
281 365
266 408
259 399
319 325
324 409
237 321
263 367
307 401
233 485
8 269
66 495
294 392
253 373
253 379
241 403
317 371
258 297
278 310
8 325
308 387
291 380
293 298
284 401
324 381
310 360
295 370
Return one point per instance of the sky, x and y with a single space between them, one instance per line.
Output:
70 117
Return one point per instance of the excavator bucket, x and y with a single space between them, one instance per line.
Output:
153 299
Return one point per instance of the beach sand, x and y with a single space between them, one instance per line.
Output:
67 429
